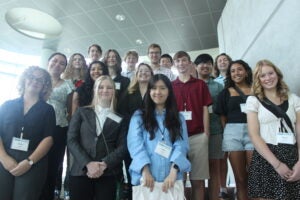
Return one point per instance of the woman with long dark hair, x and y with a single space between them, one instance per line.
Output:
157 139
230 107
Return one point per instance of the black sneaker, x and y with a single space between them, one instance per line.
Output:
224 195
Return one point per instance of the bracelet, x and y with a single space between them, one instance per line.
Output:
277 165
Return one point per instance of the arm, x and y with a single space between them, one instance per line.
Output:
73 142
136 146
178 157
262 148
7 161
41 150
296 168
75 102
223 119
206 120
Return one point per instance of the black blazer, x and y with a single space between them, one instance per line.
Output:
85 146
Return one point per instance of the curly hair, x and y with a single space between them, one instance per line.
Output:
134 85
281 87
47 85
229 82
69 71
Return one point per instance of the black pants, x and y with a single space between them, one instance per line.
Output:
27 186
82 187
56 157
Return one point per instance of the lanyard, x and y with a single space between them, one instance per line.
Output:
162 133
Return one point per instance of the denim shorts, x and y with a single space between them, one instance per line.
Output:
236 138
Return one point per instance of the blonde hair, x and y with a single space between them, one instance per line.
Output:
69 71
47 86
281 87
134 84
96 99
131 53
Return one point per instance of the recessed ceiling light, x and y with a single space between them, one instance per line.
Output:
33 23
139 41
120 17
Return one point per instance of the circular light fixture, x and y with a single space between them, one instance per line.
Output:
139 41
33 23
120 17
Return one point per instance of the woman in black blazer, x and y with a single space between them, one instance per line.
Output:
96 139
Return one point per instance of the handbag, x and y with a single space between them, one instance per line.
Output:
141 192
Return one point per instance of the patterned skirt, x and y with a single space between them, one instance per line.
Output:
265 182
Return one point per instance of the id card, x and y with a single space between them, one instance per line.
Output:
210 109
19 144
118 85
285 138
163 149
243 107
187 115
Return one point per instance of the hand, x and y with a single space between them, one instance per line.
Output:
103 166
147 178
9 163
21 168
296 173
283 171
169 180
93 169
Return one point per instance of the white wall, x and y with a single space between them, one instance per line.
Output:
263 29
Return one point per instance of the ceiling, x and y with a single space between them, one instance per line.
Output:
174 24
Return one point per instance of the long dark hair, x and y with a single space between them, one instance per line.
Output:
172 121
85 92
229 82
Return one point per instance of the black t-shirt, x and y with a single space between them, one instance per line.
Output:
38 122
229 106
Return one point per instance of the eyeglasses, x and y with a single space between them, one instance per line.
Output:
39 80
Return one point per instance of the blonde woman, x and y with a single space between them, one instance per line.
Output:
273 116
96 140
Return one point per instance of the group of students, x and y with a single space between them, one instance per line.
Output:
160 125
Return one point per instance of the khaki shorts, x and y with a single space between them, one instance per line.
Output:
198 156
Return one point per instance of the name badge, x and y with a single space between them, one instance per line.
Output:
285 138
243 107
118 85
114 117
187 115
19 144
210 109
163 149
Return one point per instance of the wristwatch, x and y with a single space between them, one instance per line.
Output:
176 167
30 161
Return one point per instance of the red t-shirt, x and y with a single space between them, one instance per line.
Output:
192 96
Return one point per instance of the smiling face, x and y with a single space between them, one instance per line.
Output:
222 63
131 61
106 91
94 53
96 71
143 74
238 73
77 62
159 94
183 65
154 55
35 82
57 65
111 59
268 77
204 69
